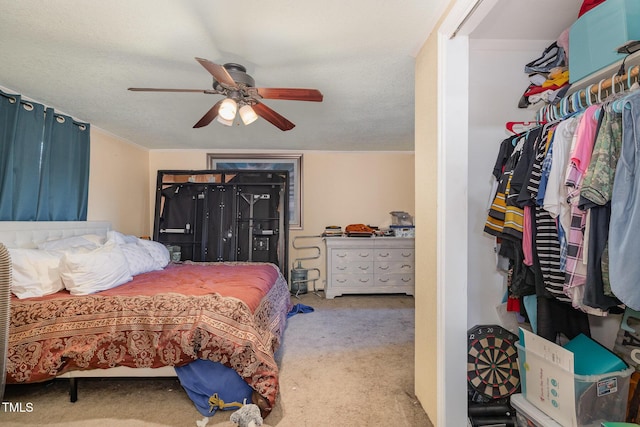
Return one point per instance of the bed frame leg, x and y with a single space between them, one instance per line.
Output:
73 389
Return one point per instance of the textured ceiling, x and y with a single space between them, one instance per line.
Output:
80 56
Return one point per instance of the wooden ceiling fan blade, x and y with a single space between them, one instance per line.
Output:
272 117
209 116
291 94
153 89
218 72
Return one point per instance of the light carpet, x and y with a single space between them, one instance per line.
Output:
348 363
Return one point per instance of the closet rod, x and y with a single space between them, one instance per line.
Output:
557 110
605 84
466 18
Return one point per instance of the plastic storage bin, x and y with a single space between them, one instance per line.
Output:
598 398
403 230
528 415
595 37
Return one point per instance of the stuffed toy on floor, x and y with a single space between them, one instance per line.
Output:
247 416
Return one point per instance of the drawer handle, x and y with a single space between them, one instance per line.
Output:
384 280
363 255
342 268
363 280
406 280
406 255
383 267
341 255
384 255
341 280
406 266
364 267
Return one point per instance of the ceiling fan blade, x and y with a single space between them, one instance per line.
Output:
218 72
290 94
153 89
209 116
272 117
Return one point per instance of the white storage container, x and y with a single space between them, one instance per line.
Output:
404 230
597 398
528 415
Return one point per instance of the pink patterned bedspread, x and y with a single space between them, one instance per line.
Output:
232 313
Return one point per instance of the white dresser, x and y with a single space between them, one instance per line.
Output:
369 265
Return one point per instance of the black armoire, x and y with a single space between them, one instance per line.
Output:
230 215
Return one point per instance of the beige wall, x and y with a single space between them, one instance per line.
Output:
426 152
339 188
118 183
342 188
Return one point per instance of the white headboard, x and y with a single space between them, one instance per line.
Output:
27 234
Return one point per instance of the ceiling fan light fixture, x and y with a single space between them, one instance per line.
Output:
232 81
247 114
228 109
224 121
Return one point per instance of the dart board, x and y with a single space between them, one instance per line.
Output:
492 361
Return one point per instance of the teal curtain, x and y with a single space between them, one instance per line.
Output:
45 163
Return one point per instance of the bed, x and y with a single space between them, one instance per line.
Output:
233 313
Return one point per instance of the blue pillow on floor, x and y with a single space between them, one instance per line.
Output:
212 386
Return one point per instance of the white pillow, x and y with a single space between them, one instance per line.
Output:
119 238
142 255
103 268
87 241
35 273
138 258
158 251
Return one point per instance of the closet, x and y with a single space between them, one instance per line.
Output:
487 53
211 215
557 205
482 48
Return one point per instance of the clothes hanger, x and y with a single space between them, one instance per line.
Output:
600 91
587 95
564 107
618 98
617 105
519 127
579 99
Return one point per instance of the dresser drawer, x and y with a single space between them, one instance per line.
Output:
352 255
352 280
392 267
394 254
354 267
394 279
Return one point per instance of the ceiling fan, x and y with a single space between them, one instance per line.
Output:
241 96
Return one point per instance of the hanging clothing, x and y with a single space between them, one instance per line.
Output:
495 216
555 318
594 295
598 180
624 229
555 197
546 243
576 270
595 195
514 214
